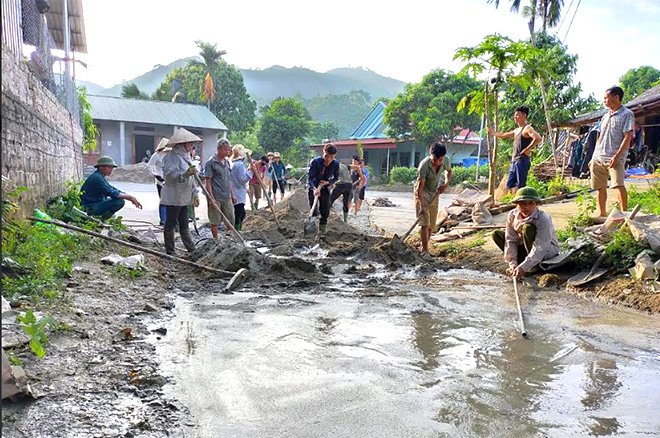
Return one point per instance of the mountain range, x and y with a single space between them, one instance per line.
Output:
276 81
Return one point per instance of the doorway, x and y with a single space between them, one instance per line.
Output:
143 143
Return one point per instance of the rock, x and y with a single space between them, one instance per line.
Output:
549 280
326 269
644 268
133 262
6 307
282 250
161 330
149 308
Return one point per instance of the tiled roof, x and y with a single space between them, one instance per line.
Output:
154 112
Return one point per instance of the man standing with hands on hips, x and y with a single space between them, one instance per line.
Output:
524 139
611 151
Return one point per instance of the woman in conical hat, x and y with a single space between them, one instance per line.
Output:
179 188
156 167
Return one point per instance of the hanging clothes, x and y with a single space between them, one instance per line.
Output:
588 150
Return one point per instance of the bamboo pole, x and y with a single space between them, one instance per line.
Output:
133 246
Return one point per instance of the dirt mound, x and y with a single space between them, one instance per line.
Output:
136 173
229 255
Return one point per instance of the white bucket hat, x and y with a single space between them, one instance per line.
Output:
162 144
181 136
276 155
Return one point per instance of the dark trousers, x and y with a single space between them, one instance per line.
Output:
324 203
239 215
176 214
105 209
161 208
344 190
529 235
518 173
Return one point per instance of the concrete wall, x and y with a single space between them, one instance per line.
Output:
111 139
41 142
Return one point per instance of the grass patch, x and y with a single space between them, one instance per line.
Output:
648 199
622 249
476 243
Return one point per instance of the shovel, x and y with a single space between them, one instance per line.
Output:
310 222
587 276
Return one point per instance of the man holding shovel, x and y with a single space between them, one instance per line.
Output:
218 185
431 179
530 235
323 172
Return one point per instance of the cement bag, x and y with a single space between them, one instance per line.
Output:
480 214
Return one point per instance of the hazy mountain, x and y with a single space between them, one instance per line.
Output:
265 85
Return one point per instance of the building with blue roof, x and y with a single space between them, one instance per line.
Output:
130 127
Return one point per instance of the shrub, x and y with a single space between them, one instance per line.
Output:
461 174
622 249
649 199
405 175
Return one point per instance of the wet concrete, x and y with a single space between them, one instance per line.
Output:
403 355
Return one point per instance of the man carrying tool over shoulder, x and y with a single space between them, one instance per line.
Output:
530 234
218 185
323 172
524 139
431 179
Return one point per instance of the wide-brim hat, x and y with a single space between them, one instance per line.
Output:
105 161
276 155
162 144
181 136
269 154
527 194
240 151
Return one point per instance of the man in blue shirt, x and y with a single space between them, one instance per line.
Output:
323 172
278 170
98 197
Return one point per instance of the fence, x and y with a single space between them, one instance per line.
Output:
23 24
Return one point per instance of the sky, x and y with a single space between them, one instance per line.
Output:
402 40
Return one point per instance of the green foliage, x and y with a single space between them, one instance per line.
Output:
232 104
323 130
476 243
427 111
405 175
637 80
11 226
360 151
125 272
622 249
90 131
586 206
284 126
36 329
459 174
131 91
649 199
346 111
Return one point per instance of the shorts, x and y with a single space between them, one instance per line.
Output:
358 195
518 173
278 184
255 190
227 208
600 171
429 217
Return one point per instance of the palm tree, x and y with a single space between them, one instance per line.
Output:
548 11
211 56
131 91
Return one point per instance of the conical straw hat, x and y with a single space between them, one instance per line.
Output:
162 144
182 135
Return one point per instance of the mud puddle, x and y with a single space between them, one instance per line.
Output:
409 358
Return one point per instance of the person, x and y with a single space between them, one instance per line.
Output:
197 162
156 166
178 191
147 156
530 234
278 177
323 172
217 173
358 197
524 139
254 186
268 178
239 178
343 188
98 196
611 151
431 179
357 178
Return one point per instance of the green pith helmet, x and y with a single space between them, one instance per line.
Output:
105 161
527 194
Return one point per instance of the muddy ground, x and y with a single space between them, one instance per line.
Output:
101 374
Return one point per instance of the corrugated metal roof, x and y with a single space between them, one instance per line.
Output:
156 112
76 23
373 125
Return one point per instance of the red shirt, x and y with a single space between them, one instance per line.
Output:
261 169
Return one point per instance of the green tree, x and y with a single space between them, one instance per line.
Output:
210 56
323 130
90 131
548 11
285 124
232 104
637 80
131 91
427 111
498 56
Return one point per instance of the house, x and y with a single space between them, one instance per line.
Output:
383 153
130 127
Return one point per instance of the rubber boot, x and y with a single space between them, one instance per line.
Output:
323 226
187 240
169 242
345 216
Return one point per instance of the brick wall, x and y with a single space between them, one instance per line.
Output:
41 142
